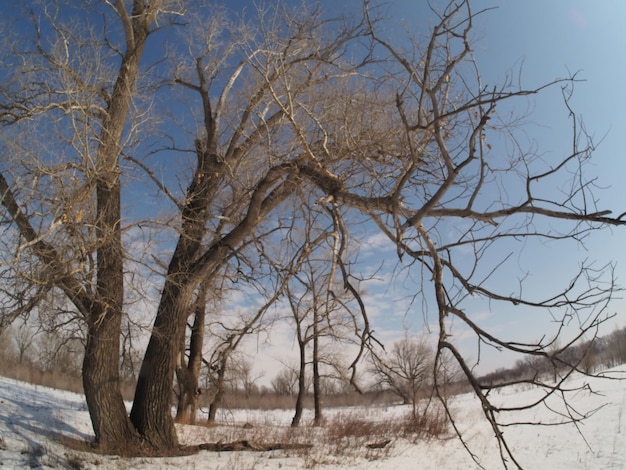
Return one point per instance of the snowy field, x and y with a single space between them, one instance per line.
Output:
34 420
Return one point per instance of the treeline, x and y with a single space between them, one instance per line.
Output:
53 360
589 356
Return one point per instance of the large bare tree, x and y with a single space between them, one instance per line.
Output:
248 163
64 196
453 176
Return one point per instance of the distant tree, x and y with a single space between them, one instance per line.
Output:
245 379
406 370
7 351
285 382
23 338
616 348
222 364
319 294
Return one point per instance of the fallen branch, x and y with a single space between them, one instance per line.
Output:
379 445
247 445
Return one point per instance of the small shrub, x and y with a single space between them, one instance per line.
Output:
348 431
346 426
75 463
432 423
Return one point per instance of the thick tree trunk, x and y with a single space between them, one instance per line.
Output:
102 353
113 430
101 362
151 413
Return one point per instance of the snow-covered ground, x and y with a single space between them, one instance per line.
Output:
34 420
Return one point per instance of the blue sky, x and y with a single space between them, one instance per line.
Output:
538 41
550 40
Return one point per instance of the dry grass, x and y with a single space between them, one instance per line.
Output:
71 382
268 400
35 376
429 424
345 436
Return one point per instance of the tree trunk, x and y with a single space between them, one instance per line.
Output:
182 379
188 395
101 362
113 429
102 353
295 422
189 391
317 391
219 390
151 413
197 340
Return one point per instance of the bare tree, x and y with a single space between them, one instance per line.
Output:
319 320
615 348
446 114
246 167
222 370
318 300
406 369
286 381
228 334
23 338
63 196
245 378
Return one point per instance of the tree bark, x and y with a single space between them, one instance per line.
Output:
101 362
219 389
189 390
295 422
112 428
151 412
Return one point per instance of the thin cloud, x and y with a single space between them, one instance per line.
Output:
577 18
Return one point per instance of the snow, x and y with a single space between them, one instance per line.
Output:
35 421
